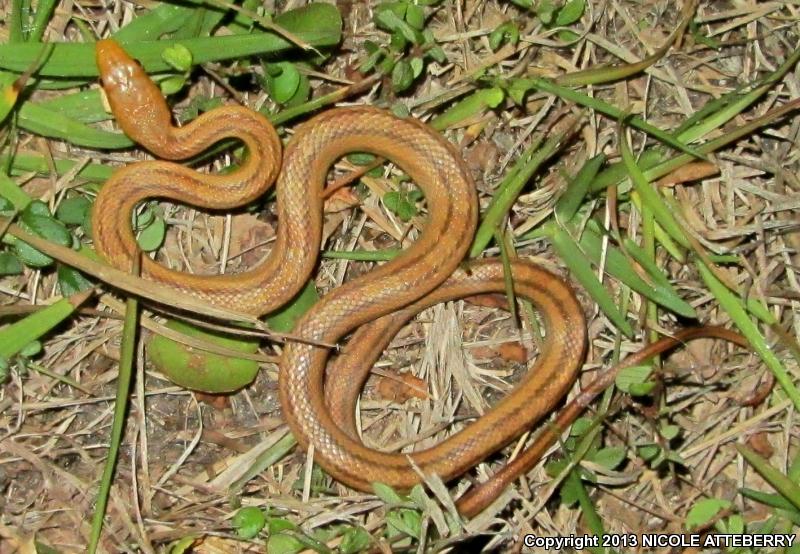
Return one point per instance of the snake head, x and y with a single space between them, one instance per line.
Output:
135 100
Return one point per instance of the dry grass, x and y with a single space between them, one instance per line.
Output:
182 452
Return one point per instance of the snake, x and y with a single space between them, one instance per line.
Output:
319 390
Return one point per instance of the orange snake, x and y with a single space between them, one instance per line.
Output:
318 396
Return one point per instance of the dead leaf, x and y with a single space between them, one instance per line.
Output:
688 173
399 387
760 443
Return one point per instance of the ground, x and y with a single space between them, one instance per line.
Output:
661 456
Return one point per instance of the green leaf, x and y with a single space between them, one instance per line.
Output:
283 544
9 264
408 522
73 210
633 375
284 319
648 452
417 65
280 524
580 427
28 255
609 457
578 264
354 540
546 10
152 236
669 432
184 545
71 281
415 16
202 370
38 219
387 493
249 521
507 32
570 13
178 57
402 76
283 81
399 204
390 17
172 85
704 511
361 158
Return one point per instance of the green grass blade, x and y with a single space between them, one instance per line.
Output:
780 482
510 188
85 106
569 252
468 108
619 266
165 18
568 204
42 121
16 336
363 255
21 163
127 354
649 195
568 94
736 310
44 11
772 500
319 25
15 32
12 192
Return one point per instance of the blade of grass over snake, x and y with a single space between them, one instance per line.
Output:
127 354
319 25
734 307
568 94
363 255
570 253
123 280
506 249
510 188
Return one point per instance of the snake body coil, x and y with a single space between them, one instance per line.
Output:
373 306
